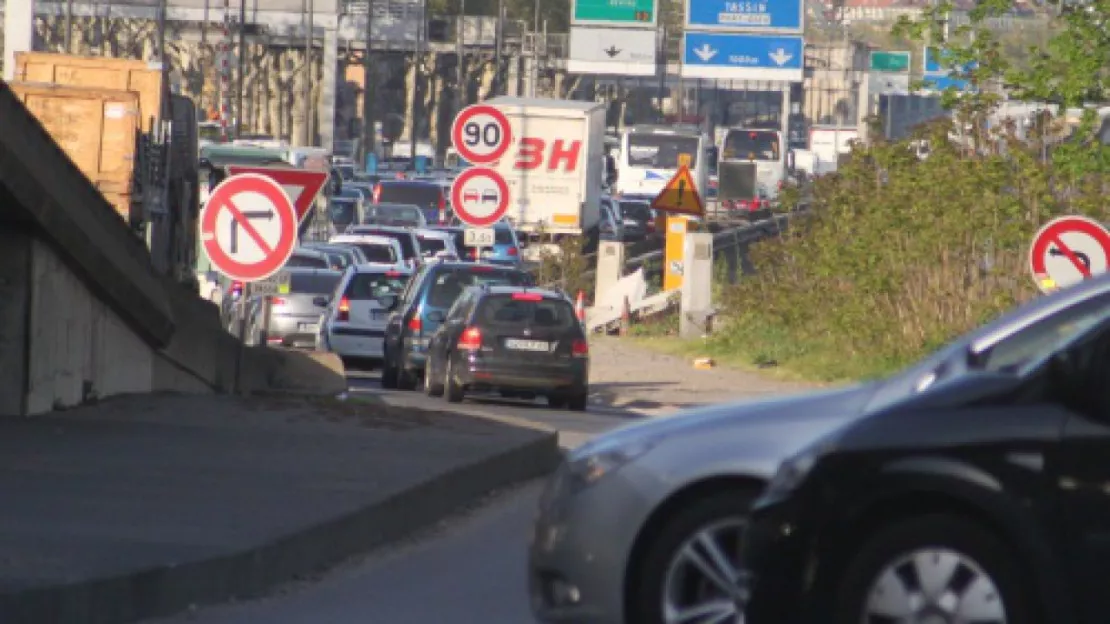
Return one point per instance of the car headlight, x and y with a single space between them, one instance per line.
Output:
594 464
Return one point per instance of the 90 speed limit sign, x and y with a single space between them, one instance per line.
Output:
481 134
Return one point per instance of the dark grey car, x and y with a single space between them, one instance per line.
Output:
295 316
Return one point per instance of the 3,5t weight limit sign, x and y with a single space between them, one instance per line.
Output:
481 134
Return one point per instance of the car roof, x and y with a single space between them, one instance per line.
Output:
485 266
313 271
409 183
381 267
504 289
372 239
366 227
395 205
305 251
433 233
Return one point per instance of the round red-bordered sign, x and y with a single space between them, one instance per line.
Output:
249 227
481 134
1068 250
480 196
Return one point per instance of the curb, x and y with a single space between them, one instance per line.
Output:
169 589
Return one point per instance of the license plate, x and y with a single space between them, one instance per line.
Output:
308 327
527 345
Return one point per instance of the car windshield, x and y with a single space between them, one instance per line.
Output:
661 151
338 259
751 145
341 212
430 246
314 283
377 252
504 310
448 285
638 211
1034 344
422 195
408 248
405 216
367 286
307 261
347 171
503 236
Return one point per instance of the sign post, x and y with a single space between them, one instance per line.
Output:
248 230
1067 251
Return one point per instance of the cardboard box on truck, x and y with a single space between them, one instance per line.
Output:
98 72
96 128
553 168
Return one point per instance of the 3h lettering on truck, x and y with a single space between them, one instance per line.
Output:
530 156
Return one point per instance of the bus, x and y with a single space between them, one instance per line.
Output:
649 157
763 147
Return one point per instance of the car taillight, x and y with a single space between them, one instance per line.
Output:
416 324
393 274
377 194
580 348
513 251
277 301
343 312
237 287
526 296
471 339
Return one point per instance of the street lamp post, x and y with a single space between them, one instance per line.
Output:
416 63
369 137
461 77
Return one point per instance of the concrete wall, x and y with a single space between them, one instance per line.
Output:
81 347
15 267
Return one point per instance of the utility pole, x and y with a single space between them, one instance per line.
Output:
369 136
416 63
461 78
309 20
239 118
69 26
499 41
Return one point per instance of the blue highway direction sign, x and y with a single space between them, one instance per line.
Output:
743 56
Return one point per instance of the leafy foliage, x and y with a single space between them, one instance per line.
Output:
899 254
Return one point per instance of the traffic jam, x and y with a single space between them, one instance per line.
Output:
964 489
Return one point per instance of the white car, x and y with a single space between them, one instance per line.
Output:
353 326
380 250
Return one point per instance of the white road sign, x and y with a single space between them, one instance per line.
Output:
479 237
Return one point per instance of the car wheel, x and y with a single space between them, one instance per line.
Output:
406 380
938 566
432 387
577 402
691 569
389 373
454 391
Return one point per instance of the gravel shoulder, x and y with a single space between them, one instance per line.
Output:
629 376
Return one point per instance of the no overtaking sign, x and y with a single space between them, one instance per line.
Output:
1068 250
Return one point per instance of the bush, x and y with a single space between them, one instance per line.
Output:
897 256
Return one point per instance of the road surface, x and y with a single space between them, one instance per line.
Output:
471 568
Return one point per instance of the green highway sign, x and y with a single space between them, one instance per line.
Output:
894 62
614 13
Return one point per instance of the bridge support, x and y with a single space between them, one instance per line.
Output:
19 24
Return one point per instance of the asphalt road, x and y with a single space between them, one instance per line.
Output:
469 569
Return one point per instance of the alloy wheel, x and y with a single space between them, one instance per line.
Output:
702 584
934 586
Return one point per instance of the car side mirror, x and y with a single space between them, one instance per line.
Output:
435 316
321 302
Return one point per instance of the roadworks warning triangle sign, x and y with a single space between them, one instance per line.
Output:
680 196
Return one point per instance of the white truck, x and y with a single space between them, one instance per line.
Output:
551 167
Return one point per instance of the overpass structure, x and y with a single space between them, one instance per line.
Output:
84 314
